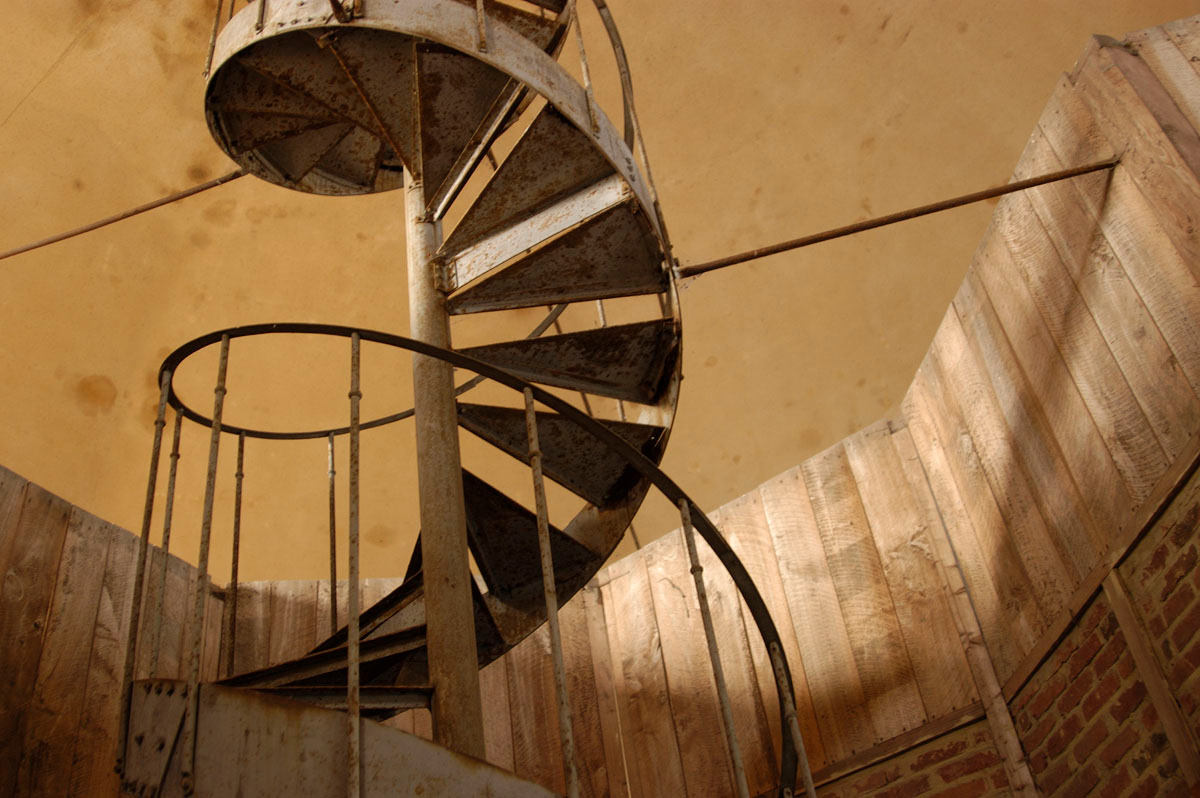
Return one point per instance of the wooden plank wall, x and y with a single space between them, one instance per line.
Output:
1061 387
64 623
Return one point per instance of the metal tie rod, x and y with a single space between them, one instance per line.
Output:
902 216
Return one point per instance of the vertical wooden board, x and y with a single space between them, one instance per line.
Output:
1143 356
1127 116
96 741
211 663
909 563
60 689
968 399
650 730
590 761
404 722
1084 444
423 724
750 536
629 754
252 641
1185 34
537 754
497 714
1165 284
833 680
1104 387
293 619
694 705
12 495
749 714
326 624
888 681
30 572
1008 611
176 612
606 695
1069 506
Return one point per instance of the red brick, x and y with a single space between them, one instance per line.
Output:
1147 789
1120 745
1024 721
880 778
1150 717
1145 756
1157 562
1157 626
1083 656
1169 767
1047 694
1000 780
1125 666
1096 613
1182 566
1075 693
1099 697
1054 778
970 789
1082 784
1177 603
907 789
1183 530
969 764
1115 783
1090 740
1035 737
1106 658
1128 701
1059 741
938 755
1186 628
1038 762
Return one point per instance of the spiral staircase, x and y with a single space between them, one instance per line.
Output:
346 99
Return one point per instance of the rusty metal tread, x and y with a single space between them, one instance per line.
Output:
298 155
241 89
373 616
570 456
456 93
553 159
503 536
377 702
612 254
247 131
629 361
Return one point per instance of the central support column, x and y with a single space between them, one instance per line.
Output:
449 615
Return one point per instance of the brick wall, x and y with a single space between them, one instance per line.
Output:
1086 722
1164 583
960 764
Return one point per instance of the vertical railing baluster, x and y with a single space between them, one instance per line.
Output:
199 593
790 718
589 92
689 536
333 613
212 40
551 594
232 594
481 25
168 514
354 786
135 611
262 11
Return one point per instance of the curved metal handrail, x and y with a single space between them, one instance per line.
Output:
712 536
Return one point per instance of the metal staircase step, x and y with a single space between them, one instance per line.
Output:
537 29
456 93
382 66
570 456
295 157
628 361
378 702
356 159
249 131
551 160
238 88
503 536
296 61
613 254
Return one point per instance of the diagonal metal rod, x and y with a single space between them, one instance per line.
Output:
149 206
902 216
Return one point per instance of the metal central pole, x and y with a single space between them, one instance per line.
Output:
449 615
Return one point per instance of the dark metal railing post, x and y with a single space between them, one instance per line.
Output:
739 772
168 513
551 595
232 593
199 593
790 718
354 786
139 576
333 604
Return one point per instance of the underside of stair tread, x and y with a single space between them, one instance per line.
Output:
570 455
297 156
629 361
551 160
456 93
503 536
613 254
